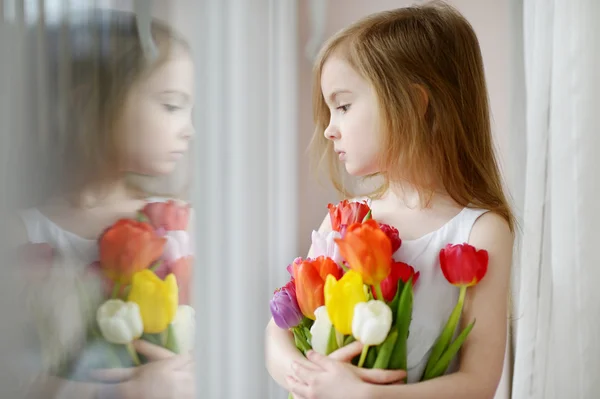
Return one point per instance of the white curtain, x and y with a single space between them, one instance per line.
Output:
557 350
244 188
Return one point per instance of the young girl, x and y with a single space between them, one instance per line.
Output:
119 111
401 94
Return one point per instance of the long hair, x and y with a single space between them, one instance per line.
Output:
82 70
402 53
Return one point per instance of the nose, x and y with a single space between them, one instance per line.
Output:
188 132
332 132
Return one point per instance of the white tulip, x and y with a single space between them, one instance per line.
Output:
184 328
320 330
120 322
371 322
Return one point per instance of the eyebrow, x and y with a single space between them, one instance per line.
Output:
177 92
336 92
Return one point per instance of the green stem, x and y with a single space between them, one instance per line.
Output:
363 355
379 292
133 354
164 337
116 289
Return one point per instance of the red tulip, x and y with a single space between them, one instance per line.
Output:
389 286
393 235
127 247
309 278
167 215
368 251
346 213
463 265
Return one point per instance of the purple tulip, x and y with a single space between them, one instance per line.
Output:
284 307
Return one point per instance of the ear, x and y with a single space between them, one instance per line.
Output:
423 99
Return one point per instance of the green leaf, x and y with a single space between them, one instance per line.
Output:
171 343
444 362
394 303
141 217
348 340
332 344
446 336
371 358
398 360
300 340
385 351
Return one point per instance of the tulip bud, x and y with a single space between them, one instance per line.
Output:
371 322
120 322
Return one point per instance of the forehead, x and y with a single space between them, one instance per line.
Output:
338 74
176 74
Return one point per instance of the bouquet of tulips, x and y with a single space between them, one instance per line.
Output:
353 289
143 278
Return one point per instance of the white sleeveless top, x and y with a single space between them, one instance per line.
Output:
434 298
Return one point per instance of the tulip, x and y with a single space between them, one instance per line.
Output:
320 331
127 247
346 213
184 328
290 267
463 266
177 245
392 233
284 307
324 245
120 323
167 215
157 300
309 278
341 297
399 271
182 270
371 324
368 251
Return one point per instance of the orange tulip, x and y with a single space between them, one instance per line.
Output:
127 247
309 277
368 251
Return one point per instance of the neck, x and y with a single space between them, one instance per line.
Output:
105 192
410 196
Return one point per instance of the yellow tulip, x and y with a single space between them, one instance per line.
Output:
341 296
157 299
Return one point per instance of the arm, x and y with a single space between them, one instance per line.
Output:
482 355
281 350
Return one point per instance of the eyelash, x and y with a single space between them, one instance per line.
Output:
171 108
343 108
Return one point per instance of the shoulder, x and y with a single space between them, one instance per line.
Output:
492 232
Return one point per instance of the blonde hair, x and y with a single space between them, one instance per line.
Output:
402 53
91 67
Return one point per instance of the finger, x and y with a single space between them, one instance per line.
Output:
380 376
297 388
152 352
111 375
304 374
348 352
321 360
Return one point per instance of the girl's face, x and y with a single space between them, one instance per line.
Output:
156 125
353 125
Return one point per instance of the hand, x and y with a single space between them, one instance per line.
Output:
334 377
167 375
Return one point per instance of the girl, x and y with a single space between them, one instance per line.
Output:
118 112
401 94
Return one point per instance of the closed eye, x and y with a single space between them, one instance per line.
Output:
171 108
343 108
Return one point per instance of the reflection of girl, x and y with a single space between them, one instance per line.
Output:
125 114
402 94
